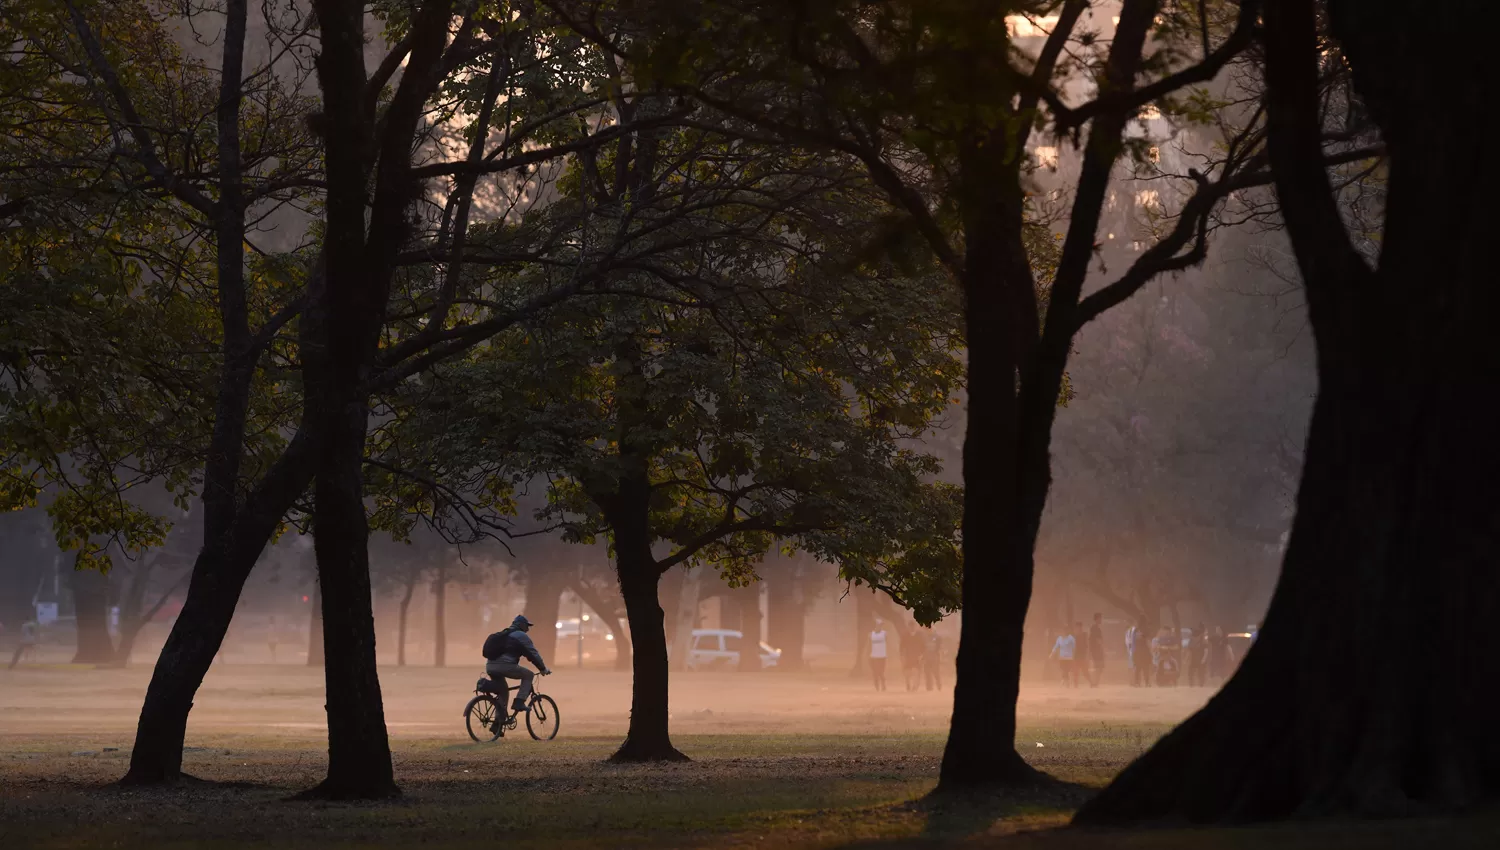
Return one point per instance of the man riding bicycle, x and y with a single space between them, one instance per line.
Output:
503 652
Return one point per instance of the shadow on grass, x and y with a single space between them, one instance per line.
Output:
962 816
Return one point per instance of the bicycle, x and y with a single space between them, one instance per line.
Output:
488 715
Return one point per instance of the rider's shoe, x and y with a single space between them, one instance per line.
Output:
518 706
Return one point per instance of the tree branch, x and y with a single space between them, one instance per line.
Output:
145 151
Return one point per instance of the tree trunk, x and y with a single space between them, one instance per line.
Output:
595 599
131 624
440 617
315 628
749 599
544 586
624 647
218 577
669 589
405 606
864 623
1006 475
786 617
1365 691
647 739
91 610
686 617
359 754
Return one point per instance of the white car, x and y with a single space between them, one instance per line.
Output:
720 649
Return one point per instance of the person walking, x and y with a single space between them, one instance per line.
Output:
932 659
1220 655
1197 660
26 649
1096 650
912 647
878 654
1141 671
1064 650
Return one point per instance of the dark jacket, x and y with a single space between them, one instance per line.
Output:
518 645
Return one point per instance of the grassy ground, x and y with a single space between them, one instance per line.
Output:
815 760
740 791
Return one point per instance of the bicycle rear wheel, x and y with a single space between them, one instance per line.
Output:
543 721
484 718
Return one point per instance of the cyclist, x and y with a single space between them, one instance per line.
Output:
503 652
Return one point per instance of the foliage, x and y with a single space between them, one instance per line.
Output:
768 376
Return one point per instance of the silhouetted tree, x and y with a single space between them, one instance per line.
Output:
1331 711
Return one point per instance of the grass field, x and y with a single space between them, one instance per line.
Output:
844 769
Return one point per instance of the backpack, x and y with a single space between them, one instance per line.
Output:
494 645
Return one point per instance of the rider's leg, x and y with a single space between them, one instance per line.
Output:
523 693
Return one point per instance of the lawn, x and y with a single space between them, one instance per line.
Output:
740 791
809 761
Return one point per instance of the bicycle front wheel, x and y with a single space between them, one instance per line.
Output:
484 718
542 721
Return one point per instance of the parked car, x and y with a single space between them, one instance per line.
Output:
720 648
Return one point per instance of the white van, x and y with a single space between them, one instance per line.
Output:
720 649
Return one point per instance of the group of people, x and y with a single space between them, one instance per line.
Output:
1080 654
1160 661
921 657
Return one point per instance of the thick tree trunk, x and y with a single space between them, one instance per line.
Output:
647 738
607 612
544 587
686 617
132 623
749 604
1004 485
1366 690
91 610
440 617
786 615
403 609
669 589
624 647
218 577
359 753
864 623
315 628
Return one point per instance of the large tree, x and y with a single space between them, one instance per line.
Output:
747 381
259 448
940 102
1394 531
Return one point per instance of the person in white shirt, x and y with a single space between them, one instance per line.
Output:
1063 650
878 654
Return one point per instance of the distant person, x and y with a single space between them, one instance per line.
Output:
1166 654
1064 650
1220 655
271 636
932 661
1197 657
878 654
503 652
1096 650
26 649
1141 669
911 660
